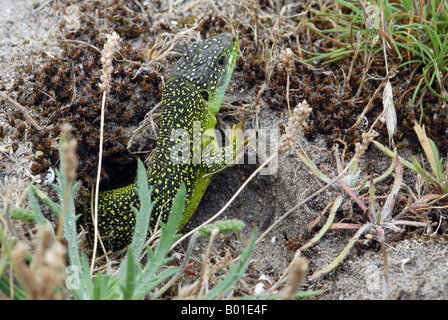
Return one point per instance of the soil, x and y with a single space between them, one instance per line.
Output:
417 259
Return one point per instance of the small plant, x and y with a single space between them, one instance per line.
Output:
350 176
8 288
379 219
438 177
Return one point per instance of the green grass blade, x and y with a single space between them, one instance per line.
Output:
100 286
344 253
425 174
319 56
143 215
169 230
5 287
351 6
313 168
54 207
130 276
438 161
392 154
337 203
158 279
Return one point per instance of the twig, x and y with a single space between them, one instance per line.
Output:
205 263
149 119
389 75
22 109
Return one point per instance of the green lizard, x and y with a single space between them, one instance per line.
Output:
192 95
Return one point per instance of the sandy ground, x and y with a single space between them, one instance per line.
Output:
418 266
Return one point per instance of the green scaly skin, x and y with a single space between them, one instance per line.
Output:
194 92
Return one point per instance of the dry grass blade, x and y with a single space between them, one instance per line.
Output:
355 56
426 145
389 111
389 75
386 212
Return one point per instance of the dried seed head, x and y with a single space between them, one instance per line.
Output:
69 149
44 278
361 148
297 121
287 57
106 59
296 276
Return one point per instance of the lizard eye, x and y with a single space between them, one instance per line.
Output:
221 60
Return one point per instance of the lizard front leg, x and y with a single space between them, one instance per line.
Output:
214 157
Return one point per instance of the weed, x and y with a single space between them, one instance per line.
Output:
438 179
379 219
349 184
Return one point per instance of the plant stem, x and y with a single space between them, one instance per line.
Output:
97 185
344 253
336 205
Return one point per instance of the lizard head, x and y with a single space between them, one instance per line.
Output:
208 65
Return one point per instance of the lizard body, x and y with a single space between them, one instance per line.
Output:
192 96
